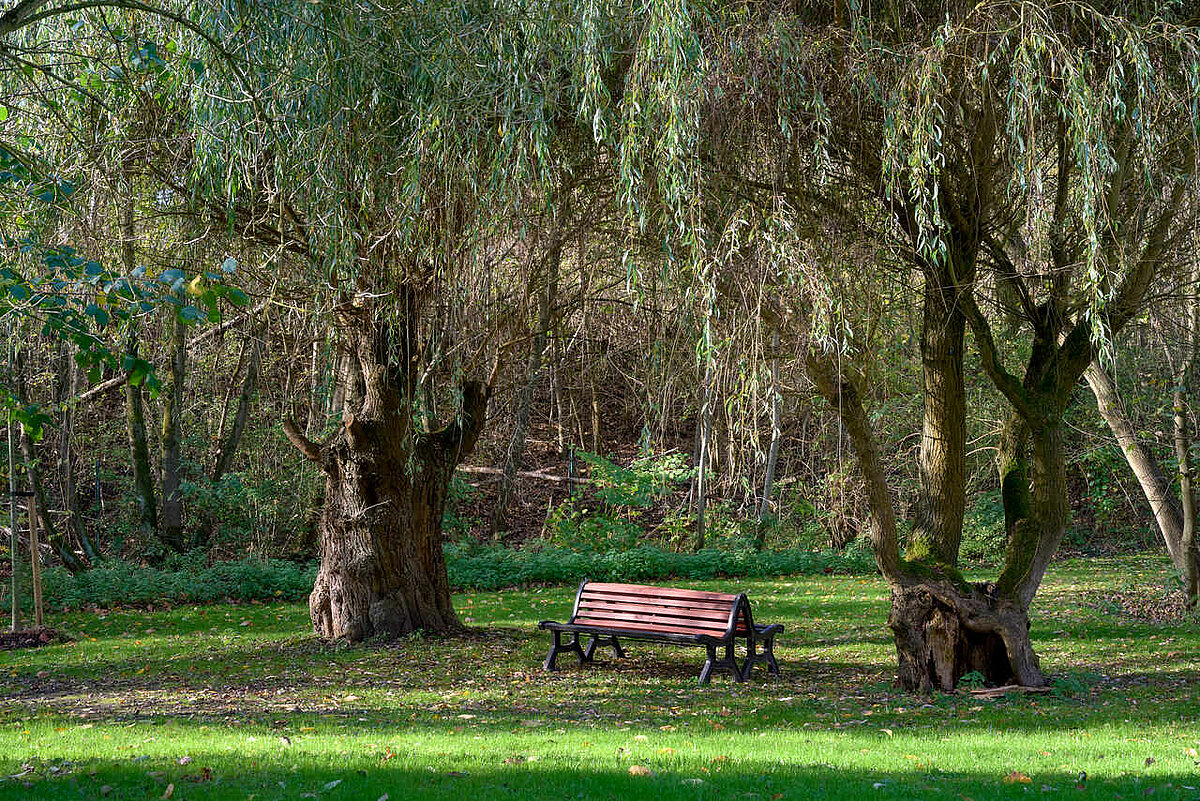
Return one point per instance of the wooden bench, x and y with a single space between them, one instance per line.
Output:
608 613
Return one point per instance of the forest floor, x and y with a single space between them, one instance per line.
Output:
238 702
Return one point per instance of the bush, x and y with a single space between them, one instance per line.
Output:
479 567
117 583
471 566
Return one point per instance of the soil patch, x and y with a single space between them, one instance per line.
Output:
28 638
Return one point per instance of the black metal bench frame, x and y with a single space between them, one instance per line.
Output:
666 625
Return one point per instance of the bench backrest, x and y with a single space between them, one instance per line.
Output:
669 610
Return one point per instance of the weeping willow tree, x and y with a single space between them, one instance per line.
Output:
1033 164
404 156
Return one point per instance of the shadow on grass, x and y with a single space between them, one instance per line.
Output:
517 777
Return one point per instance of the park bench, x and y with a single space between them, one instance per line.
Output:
608 613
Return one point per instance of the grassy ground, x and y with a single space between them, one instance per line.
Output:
239 703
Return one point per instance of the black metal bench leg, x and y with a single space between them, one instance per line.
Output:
766 656
772 665
751 657
713 663
706 671
733 666
557 647
607 639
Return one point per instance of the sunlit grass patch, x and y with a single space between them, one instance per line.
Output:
239 701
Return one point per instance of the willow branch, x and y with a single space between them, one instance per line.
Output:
310 449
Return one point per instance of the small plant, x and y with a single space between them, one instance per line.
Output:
1069 685
974 680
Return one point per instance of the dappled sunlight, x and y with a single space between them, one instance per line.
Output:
150 699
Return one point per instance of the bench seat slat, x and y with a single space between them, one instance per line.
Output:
642 621
669 603
642 590
643 631
714 615
644 617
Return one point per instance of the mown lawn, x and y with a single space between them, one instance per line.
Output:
238 702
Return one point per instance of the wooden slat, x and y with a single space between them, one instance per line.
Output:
621 618
663 592
656 609
682 603
647 627
649 612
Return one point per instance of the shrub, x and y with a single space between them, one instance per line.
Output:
117 583
471 566
480 567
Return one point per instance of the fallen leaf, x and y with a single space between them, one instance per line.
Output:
170 791
330 785
640 770
1017 777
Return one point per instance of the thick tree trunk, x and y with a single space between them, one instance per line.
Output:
135 415
382 570
945 629
172 424
1036 538
1187 496
937 527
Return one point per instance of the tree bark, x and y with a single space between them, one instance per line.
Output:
1181 407
229 445
139 454
937 526
135 415
68 380
35 563
29 455
703 437
382 571
172 498
1164 506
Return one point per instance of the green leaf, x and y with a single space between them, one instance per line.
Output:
98 314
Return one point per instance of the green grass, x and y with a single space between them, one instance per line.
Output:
239 702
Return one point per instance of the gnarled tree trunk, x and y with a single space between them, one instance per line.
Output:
382 572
